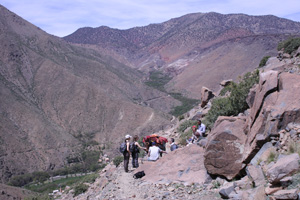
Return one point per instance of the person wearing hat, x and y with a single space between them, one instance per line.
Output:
126 153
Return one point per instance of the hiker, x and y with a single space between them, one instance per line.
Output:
148 140
173 146
153 153
196 134
126 153
135 150
201 128
162 143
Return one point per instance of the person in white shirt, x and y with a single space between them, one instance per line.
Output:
201 128
153 153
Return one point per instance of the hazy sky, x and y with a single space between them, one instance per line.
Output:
63 17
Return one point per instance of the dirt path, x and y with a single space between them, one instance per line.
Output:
127 187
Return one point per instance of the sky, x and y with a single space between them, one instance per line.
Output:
63 17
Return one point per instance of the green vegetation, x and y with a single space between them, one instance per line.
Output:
187 104
289 45
118 160
185 124
295 182
235 103
184 135
158 80
87 162
61 183
293 147
36 177
272 157
181 117
38 197
264 61
81 188
226 89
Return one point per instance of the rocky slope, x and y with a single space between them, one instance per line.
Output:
203 47
251 156
53 94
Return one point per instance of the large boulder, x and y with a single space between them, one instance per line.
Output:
256 174
206 95
183 165
286 194
257 193
225 147
285 166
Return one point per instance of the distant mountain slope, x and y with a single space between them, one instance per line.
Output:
52 93
182 43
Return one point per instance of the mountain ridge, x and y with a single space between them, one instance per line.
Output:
53 93
180 44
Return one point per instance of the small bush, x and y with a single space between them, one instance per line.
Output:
225 89
90 178
118 160
185 136
264 61
272 157
294 147
289 45
20 180
185 124
81 188
181 117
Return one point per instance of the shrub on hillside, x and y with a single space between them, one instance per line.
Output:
81 188
185 136
118 160
289 45
20 180
264 61
235 103
185 124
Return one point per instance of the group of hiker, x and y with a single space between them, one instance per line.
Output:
154 145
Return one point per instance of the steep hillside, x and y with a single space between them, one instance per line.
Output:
204 47
53 94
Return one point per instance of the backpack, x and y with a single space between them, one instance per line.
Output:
139 174
123 147
133 148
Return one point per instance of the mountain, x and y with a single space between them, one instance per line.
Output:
55 96
197 50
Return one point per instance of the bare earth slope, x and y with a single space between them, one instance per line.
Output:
205 47
52 93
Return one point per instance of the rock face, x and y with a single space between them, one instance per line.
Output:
225 148
183 165
206 95
275 105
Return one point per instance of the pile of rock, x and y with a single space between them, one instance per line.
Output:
262 146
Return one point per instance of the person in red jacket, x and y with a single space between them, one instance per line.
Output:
162 143
148 140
